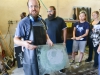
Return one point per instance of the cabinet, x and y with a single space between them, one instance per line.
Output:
69 42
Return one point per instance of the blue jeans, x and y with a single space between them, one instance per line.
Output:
96 56
30 69
90 44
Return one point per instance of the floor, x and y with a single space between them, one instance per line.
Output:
84 69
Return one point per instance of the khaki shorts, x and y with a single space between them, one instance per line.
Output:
79 45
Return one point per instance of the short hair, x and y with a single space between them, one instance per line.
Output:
37 0
53 7
97 12
24 14
84 12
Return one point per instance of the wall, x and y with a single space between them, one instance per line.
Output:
11 10
65 7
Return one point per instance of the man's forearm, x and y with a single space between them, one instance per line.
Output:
47 36
64 35
18 41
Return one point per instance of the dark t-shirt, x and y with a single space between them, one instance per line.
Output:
54 29
81 29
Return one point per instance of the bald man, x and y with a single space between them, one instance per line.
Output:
27 29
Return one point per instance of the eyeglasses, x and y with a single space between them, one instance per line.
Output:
35 6
50 11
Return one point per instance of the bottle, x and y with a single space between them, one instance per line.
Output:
74 14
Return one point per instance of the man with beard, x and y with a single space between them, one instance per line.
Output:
55 27
27 29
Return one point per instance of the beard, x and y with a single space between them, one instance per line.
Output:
51 17
34 13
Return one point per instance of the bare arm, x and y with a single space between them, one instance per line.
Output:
64 35
74 37
27 44
86 33
49 42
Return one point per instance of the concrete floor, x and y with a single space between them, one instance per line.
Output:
84 69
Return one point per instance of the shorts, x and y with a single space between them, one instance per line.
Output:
79 45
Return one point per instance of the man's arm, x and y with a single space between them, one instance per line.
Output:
49 42
64 35
27 44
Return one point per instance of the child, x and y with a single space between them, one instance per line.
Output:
80 33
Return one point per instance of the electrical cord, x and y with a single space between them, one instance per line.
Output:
43 4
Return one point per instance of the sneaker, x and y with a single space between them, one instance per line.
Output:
78 64
88 60
62 71
72 61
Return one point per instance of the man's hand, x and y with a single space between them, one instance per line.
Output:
29 46
49 42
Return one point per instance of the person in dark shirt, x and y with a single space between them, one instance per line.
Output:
80 34
56 28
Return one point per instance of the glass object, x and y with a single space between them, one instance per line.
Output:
51 59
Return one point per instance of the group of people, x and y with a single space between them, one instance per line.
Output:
52 28
87 32
50 31
84 32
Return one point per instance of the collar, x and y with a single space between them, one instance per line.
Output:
32 19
